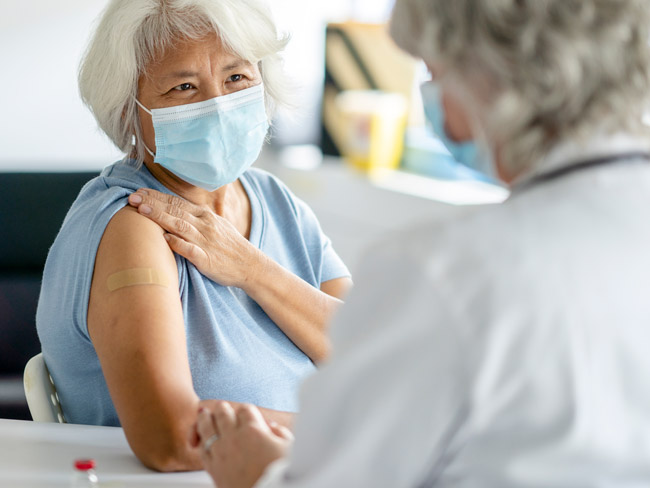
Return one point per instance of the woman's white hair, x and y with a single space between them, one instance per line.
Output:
133 33
535 72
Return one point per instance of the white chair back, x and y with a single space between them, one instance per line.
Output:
42 399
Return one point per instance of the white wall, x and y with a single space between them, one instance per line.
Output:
46 127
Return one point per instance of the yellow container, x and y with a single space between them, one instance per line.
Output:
372 128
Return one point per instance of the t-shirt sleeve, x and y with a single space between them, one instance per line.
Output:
327 264
331 264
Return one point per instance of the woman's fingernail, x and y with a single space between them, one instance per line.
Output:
135 198
168 238
145 209
143 191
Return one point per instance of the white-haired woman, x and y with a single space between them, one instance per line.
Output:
507 348
148 308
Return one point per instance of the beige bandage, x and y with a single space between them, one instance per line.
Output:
137 276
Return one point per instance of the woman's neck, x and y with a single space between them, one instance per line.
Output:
217 200
230 201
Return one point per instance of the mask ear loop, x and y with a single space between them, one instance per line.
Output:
149 112
485 147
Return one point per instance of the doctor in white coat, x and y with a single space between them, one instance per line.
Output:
510 347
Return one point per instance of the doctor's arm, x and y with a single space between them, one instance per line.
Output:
139 335
222 254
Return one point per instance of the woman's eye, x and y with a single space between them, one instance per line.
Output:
236 78
183 87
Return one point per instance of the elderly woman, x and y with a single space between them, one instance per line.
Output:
217 282
507 348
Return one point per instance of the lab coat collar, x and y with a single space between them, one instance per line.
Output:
573 152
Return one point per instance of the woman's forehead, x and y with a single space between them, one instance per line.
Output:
186 54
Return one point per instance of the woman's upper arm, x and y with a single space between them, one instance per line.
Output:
139 335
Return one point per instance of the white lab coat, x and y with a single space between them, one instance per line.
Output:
507 348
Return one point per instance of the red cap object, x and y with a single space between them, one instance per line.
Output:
84 464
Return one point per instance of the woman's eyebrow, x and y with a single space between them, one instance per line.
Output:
235 64
180 74
193 74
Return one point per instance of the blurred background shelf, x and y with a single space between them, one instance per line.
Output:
357 208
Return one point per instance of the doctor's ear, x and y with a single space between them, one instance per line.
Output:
434 70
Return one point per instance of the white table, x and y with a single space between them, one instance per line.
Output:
38 455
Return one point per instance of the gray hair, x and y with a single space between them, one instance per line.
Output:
535 72
132 33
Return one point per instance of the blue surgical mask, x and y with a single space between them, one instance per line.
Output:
210 144
466 153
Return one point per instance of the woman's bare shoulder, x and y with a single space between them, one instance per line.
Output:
131 244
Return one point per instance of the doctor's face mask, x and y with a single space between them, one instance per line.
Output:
211 143
467 153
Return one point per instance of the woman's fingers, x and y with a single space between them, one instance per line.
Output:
168 201
189 251
170 216
147 199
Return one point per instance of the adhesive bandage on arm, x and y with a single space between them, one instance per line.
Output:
136 276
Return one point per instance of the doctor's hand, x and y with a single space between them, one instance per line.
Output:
237 446
210 242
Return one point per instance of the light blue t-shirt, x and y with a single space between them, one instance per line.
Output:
236 351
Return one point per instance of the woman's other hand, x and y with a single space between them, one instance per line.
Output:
237 445
210 242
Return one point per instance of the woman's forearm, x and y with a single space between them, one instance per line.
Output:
271 416
163 443
299 309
